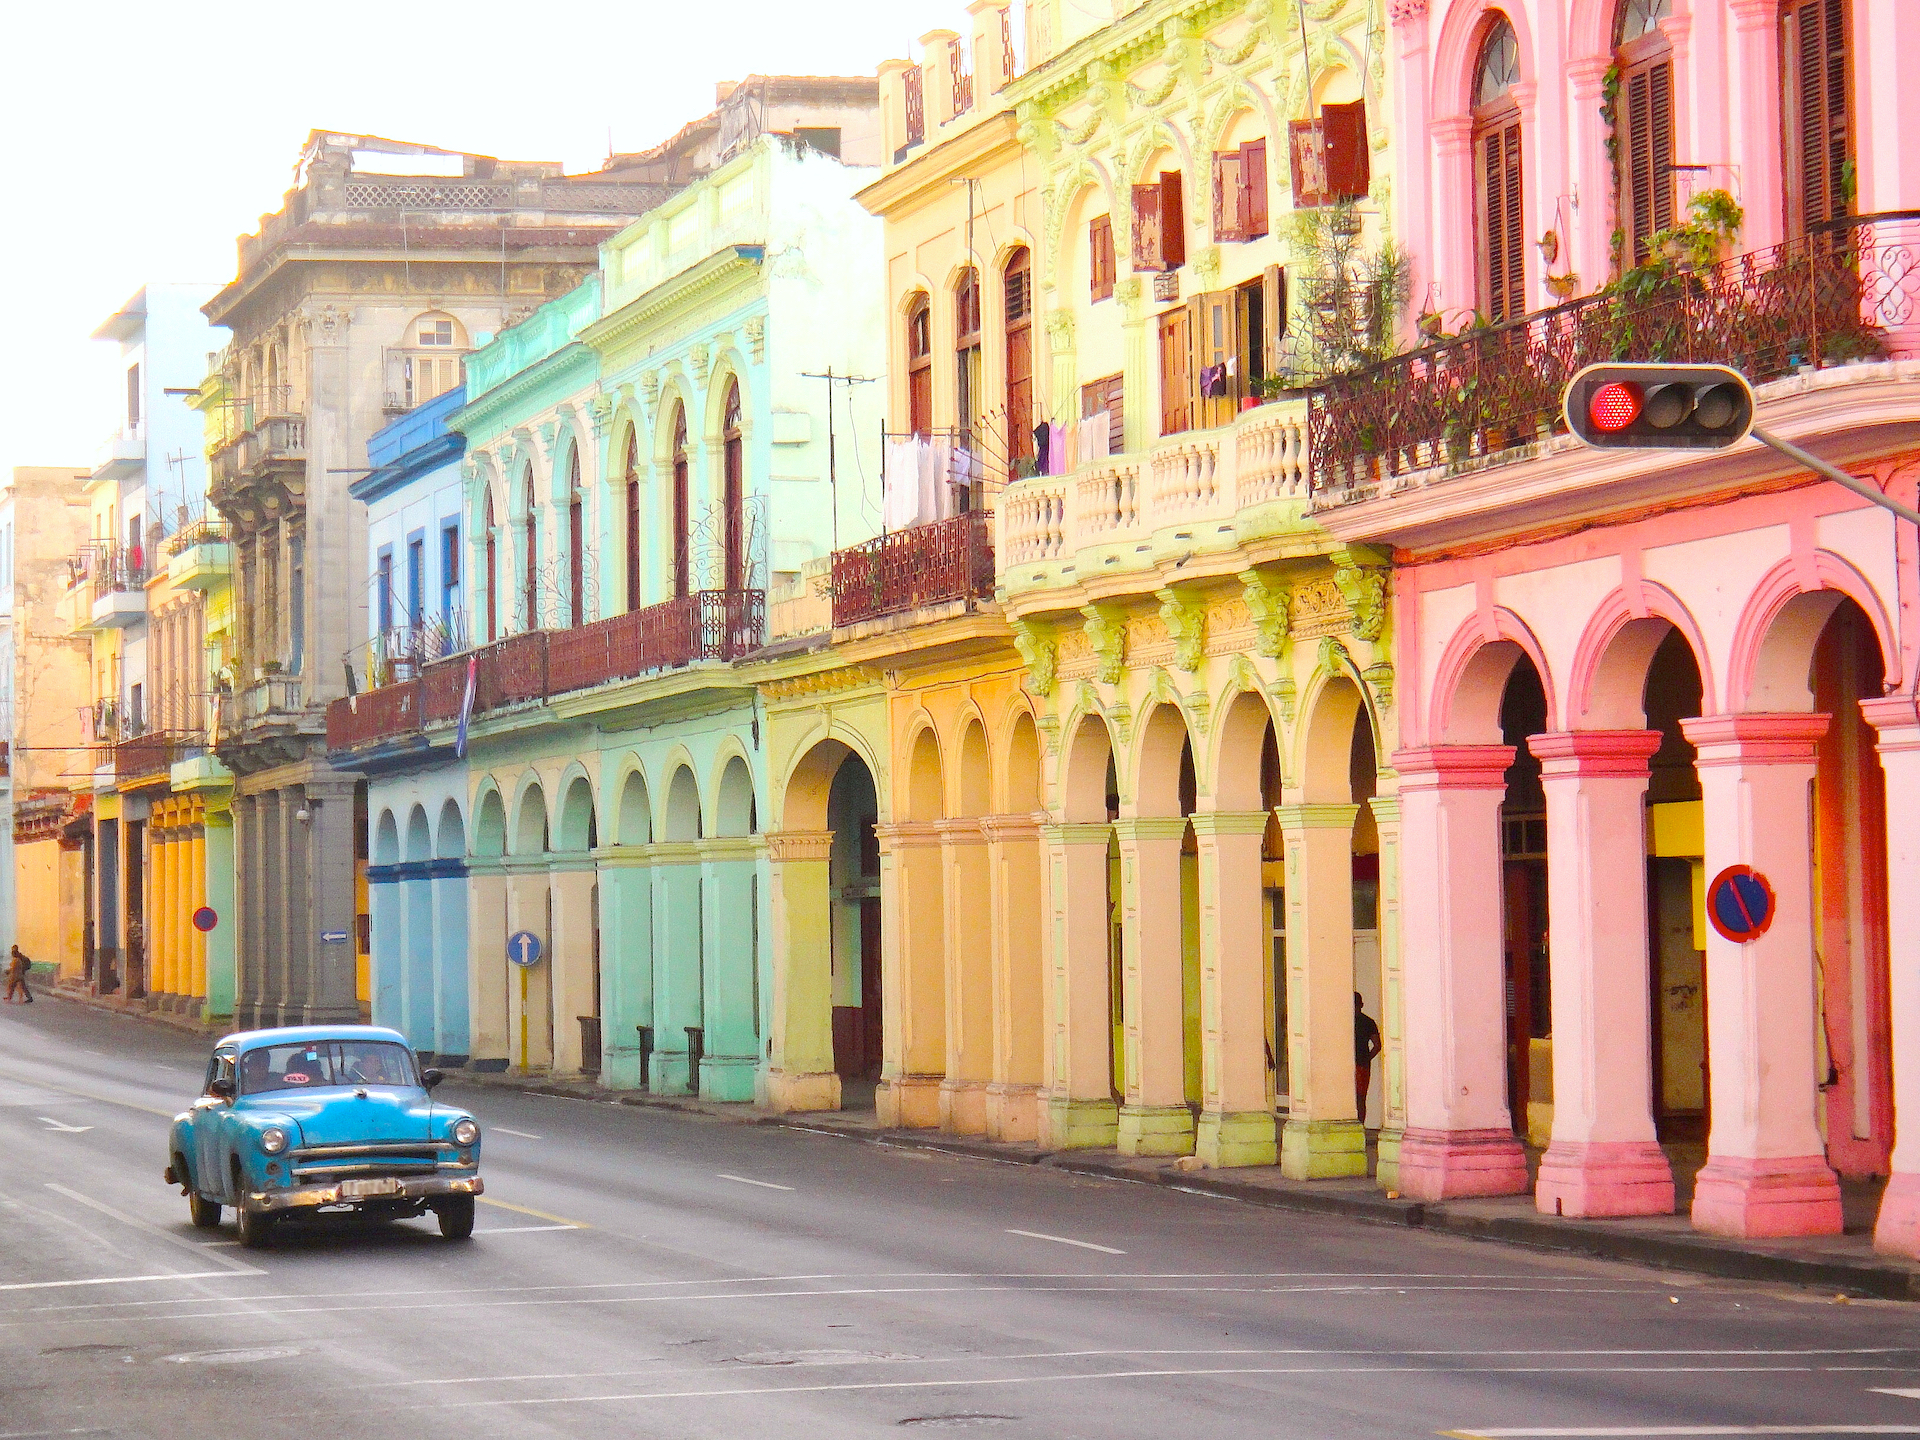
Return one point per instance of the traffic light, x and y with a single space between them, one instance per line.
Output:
1659 407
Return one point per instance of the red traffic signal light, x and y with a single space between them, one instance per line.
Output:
1659 407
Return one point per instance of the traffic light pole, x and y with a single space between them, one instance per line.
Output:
1864 488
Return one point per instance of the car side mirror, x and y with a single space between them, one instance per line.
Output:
222 1087
431 1078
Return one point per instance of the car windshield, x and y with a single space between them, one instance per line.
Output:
325 1062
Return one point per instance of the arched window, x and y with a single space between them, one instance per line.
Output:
1817 81
576 546
1017 285
682 519
920 366
530 598
966 353
735 499
1643 124
633 518
493 571
1500 233
429 360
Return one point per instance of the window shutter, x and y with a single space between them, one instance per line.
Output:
1228 189
1109 395
1147 252
1253 180
1503 258
1173 221
1819 111
1273 314
1100 265
1307 154
1196 308
1176 370
1349 165
1647 201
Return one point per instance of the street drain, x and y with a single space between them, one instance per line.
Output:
235 1357
957 1422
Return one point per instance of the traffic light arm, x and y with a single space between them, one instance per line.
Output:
1834 473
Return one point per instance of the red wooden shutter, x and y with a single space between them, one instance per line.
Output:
1146 228
1349 160
1100 266
1176 371
1307 153
1173 221
1253 180
1229 186
1819 111
1502 239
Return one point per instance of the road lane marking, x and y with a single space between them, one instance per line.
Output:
124 1280
55 1125
1577 1433
103 1099
743 1180
153 1230
1903 1394
503 1130
523 1229
1063 1240
537 1214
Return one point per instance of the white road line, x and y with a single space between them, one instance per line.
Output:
1582 1433
154 1230
523 1229
1903 1394
503 1130
1062 1240
121 1280
56 1126
743 1180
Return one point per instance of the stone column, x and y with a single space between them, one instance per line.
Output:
417 1017
159 911
1393 1026
322 848
1459 1138
488 981
912 975
220 893
452 1013
678 988
626 961
249 916
1077 1060
1154 1118
529 989
387 936
571 957
1019 989
966 880
730 889
1323 1136
1897 1232
800 1072
1603 1158
1237 1124
1766 1172
199 896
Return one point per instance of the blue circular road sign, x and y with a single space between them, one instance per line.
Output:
1740 904
524 949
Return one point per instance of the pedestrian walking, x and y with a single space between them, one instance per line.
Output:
17 968
1366 1045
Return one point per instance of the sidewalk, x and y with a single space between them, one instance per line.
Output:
76 990
1846 1264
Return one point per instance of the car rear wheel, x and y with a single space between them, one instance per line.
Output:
205 1212
456 1217
255 1228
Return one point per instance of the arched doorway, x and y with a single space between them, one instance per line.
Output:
854 881
494 1039
574 964
1085 1047
1525 969
451 957
530 908
680 979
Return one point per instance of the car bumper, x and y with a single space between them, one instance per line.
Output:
410 1187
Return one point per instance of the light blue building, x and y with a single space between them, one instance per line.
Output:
416 782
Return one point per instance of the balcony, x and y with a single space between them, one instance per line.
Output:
273 697
944 562
106 587
150 757
200 556
123 456
540 665
1849 293
1114 515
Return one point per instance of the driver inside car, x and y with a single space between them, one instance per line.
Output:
368 1066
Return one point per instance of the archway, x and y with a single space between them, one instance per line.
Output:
1020 928
913 988
730 883
575 968
679 972
416 892
494 1036
451 961
386 925
530 909
1084 1077
1525 967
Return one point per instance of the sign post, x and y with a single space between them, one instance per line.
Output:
524 951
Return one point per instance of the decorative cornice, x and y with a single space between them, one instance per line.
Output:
733 265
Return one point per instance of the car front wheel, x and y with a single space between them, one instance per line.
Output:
205 1212
456 1217
255 1228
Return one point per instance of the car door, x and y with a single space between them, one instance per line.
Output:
209 1117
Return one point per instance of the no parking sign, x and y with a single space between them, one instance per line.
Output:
1740 904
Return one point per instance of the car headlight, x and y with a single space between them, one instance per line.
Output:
273 1140
465 1131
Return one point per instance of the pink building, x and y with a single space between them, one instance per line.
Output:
1622 673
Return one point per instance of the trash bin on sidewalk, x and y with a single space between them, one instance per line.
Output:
589 1044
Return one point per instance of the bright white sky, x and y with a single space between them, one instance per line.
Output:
143 138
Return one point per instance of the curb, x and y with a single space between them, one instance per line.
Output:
137 1010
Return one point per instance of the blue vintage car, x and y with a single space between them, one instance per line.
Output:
316 1118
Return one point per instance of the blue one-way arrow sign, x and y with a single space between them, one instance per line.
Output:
523 948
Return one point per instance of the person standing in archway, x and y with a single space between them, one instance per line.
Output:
1366 1046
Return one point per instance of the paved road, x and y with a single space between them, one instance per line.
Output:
639 1273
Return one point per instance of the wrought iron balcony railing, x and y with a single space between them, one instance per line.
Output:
538 665
931 564
1848 292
